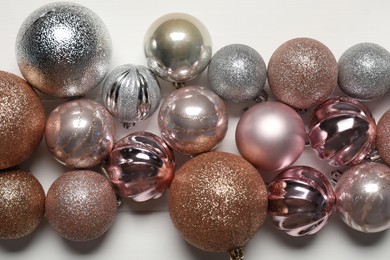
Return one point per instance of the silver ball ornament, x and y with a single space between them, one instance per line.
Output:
63 49
177 47
364 71
131 93
237 73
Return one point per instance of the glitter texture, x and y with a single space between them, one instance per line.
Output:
383 137
362 197
81 205
237 73
22 204
63 49
80 133
22 120
131 93
364 71
302 72
217 201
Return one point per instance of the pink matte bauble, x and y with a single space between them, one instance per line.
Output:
271 136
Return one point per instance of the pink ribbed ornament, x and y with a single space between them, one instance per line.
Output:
342 131
300 200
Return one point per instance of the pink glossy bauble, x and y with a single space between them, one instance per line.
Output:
141 166
300 200
363 197
193 120
342 131
270 135
80 133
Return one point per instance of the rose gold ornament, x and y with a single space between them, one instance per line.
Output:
193 120
342 131
22 120
217 201
301 200
363 197
81 205
80 133
383 137
270 135
302 72
141 166
22 204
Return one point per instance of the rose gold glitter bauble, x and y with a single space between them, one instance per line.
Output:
217 201
383 137
302 72
22 120
22 204
81 205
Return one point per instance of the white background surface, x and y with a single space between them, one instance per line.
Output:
144 231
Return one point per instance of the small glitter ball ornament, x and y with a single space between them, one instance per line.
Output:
80 133
237 73
270 135
383 137
364 71
141 166
342 131
63 49
300 200
363 197
193 120
22 120
177 47
81 205
302 73
131 93
217 201
22 204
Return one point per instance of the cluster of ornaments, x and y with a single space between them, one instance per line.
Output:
64 50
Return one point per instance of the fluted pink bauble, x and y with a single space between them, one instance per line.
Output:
80 133
193 120
271 136
300 200
363 197
141 166
342 131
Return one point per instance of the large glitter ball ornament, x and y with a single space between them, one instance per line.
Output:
300 200
364 71
237 73
363 197
141 166
342 131
131 93
22 120
271 136
383 137
63 49
217 201
22 204
81 205
80 133
193 120
177 47
302 73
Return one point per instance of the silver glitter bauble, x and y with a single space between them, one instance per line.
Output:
237 73
177 47
63 49
131 93
364 71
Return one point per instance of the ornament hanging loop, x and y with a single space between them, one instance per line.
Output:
236 253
